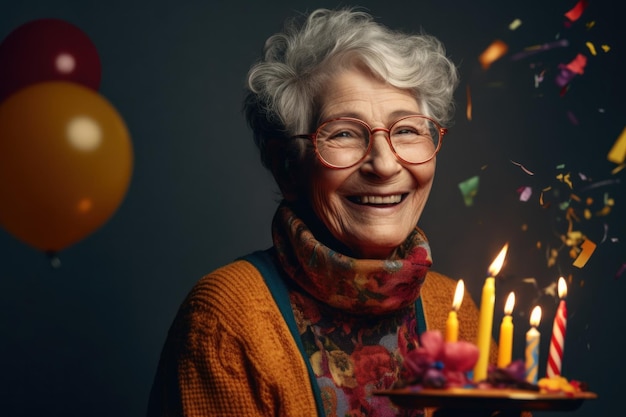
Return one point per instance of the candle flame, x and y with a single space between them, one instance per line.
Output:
458 295
510 302
535 316
562 288
496 265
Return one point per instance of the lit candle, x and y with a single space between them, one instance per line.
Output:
452 324
505 345
532 346
557 341
485 320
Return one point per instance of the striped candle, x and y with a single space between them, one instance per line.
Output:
532 346
557 341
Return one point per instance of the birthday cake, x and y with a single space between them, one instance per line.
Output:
436 364
439 374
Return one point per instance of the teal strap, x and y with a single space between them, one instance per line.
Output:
419 316
263 261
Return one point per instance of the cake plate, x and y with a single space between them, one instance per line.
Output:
509 402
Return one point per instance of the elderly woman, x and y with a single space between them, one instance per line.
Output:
348 116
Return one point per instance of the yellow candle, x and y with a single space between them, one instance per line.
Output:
505 344
485 320
452 324
532 346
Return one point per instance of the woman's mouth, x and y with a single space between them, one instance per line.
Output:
377 200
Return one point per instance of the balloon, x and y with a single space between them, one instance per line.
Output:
65 163
47 50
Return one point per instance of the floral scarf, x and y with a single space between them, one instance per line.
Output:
356 317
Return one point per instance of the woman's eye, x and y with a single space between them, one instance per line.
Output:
406 131
343 134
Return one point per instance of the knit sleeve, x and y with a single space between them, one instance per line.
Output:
228 353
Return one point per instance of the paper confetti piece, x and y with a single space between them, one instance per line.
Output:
568 72
495 51
577 11
618 168
515 24
566 179
587 249
526 170
572 118
525 193
620 271
601 184
541 197
550 289
591 48
577 65
617 154
531 50
469 189
468 110
606 48
539 78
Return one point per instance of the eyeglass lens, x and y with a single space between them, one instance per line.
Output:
342 143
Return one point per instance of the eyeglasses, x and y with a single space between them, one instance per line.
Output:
344 142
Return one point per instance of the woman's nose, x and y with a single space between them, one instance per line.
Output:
382 159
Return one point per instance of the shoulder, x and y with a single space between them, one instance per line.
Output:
234 282
438 286
232 296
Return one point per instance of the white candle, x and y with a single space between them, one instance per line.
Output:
532 346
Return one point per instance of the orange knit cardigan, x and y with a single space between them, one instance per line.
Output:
230 353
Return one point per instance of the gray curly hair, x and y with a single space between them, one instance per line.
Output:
284 87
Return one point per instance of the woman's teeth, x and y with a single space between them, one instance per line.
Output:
371 199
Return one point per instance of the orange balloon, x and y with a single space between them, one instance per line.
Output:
65 163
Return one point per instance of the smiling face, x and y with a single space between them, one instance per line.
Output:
373 206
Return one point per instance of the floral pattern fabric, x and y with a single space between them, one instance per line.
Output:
356 317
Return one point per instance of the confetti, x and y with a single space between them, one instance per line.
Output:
525 193
591 48
468 110
550 290
572 118
601 184
495 51
577 11
620 271
469 189
568 72
606 48
565 179
587 249
515 24
531 50
618 168
577 65
617 154
523 168
539 78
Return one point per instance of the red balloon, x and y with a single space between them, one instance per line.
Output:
47 50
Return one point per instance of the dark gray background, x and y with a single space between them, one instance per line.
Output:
84 339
